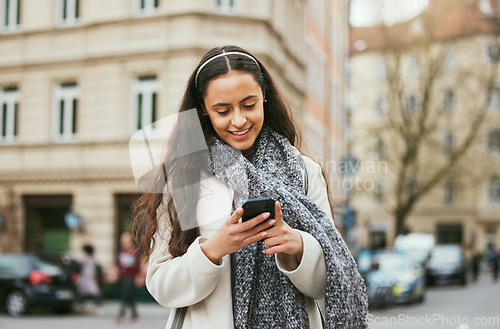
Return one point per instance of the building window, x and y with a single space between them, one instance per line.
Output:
411 104
144 102
10 15
412 64
494 140
380 106
379 149
9 100
494 190
448 143
448 193
493 53
449 59
380 68
449 100
67 12
228 7
494 98
146 7
378 193
65 112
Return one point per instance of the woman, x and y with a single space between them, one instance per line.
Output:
264 272
129 265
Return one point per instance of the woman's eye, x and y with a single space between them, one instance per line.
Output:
249 106
223 112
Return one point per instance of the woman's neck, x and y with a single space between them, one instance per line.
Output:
249 152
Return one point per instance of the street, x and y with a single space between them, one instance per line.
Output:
444 307
151 316
472 307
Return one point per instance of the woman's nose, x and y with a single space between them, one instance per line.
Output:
238 119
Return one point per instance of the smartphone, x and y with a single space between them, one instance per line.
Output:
255 207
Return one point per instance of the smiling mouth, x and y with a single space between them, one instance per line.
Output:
239 133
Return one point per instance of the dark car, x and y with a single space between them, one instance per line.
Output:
447 264
27 281
393 278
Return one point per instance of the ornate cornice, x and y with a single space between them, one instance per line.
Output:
66 176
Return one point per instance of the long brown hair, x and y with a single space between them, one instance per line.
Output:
150 207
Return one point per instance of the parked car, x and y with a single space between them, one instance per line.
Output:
27 281
447 264
416 245
393 278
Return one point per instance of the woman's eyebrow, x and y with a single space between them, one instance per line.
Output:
227 104
221 104
247 98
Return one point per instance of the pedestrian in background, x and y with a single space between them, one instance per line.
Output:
224 272
495 264
476 265
90 278
129 266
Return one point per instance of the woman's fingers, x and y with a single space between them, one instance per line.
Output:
254 238
251 223
277 213
235 216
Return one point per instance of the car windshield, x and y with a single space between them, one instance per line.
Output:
445 255
13 265
47 267
392 263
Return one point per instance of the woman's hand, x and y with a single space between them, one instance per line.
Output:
234 235
282 238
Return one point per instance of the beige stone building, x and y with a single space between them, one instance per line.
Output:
78 78
464 208
325 115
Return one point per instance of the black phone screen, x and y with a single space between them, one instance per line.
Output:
255 207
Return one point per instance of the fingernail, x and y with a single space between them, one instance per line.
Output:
271 222
266 215
263 234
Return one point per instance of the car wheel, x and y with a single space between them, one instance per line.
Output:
17 304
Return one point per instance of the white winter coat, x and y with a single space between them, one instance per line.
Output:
193 280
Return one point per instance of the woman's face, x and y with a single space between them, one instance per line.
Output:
235 104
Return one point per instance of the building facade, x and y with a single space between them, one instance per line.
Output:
325 115
464 206
79 78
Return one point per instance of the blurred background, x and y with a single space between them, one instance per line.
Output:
399 101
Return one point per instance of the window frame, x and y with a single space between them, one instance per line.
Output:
493 148
449 142
9 115
493 52
412 64
65 7
411 104
449 193
9 13
151 7
449 100
65 128
493 185
379 193
494 98
380 68
140 86
224 7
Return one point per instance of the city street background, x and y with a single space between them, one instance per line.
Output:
442 306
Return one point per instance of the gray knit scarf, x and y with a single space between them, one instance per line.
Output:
264 297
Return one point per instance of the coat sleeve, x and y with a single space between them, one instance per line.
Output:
180 281
310 275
